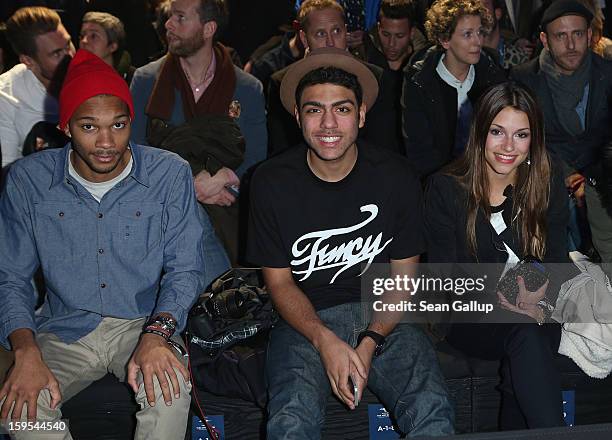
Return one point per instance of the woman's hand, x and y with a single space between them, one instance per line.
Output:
526 301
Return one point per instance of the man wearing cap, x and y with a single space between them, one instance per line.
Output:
318 211
574 88
28 92
117 233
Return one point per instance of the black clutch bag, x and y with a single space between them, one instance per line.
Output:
531 270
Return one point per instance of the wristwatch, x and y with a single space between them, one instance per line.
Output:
376 337
547 309
161 325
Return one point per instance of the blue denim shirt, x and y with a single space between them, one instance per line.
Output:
136 253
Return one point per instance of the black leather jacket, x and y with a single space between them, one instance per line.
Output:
429 109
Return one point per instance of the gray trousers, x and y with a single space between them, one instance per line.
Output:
601 228
107 349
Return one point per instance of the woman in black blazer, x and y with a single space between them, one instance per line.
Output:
499 203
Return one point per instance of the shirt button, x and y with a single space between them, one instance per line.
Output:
100 215
61 214
101 251
137 213
103 285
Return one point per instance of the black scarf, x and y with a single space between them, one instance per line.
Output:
566 90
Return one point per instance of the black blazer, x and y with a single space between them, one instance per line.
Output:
583 152
445 218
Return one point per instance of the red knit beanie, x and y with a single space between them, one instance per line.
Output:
90 76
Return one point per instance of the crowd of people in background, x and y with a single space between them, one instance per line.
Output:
421 62
494 110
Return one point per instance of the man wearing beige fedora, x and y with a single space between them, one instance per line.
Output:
318 212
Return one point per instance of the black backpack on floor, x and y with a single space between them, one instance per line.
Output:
227 333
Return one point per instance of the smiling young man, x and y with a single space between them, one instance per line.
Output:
116 230
439 92
323 24
28 92
574 87
318 211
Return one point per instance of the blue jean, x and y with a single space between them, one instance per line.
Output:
406 377
216 261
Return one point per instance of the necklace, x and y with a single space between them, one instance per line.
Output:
194 85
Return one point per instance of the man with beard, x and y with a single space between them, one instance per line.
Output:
191 92
389 44
115 228
28 92
574 88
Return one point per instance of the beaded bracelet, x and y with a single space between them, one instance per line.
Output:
162 326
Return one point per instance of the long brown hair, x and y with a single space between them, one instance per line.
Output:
532 186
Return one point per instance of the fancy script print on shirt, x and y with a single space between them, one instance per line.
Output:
313 249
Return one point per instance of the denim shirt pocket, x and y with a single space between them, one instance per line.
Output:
61 231
139 228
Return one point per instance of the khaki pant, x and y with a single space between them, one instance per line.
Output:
107 349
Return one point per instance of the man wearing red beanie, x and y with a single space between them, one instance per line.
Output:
116 229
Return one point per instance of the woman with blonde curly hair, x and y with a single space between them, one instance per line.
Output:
439 91
601 45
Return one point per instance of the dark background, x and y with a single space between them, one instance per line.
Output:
252 22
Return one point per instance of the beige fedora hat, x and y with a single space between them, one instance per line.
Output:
328 57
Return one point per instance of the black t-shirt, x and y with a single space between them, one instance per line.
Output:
325 231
